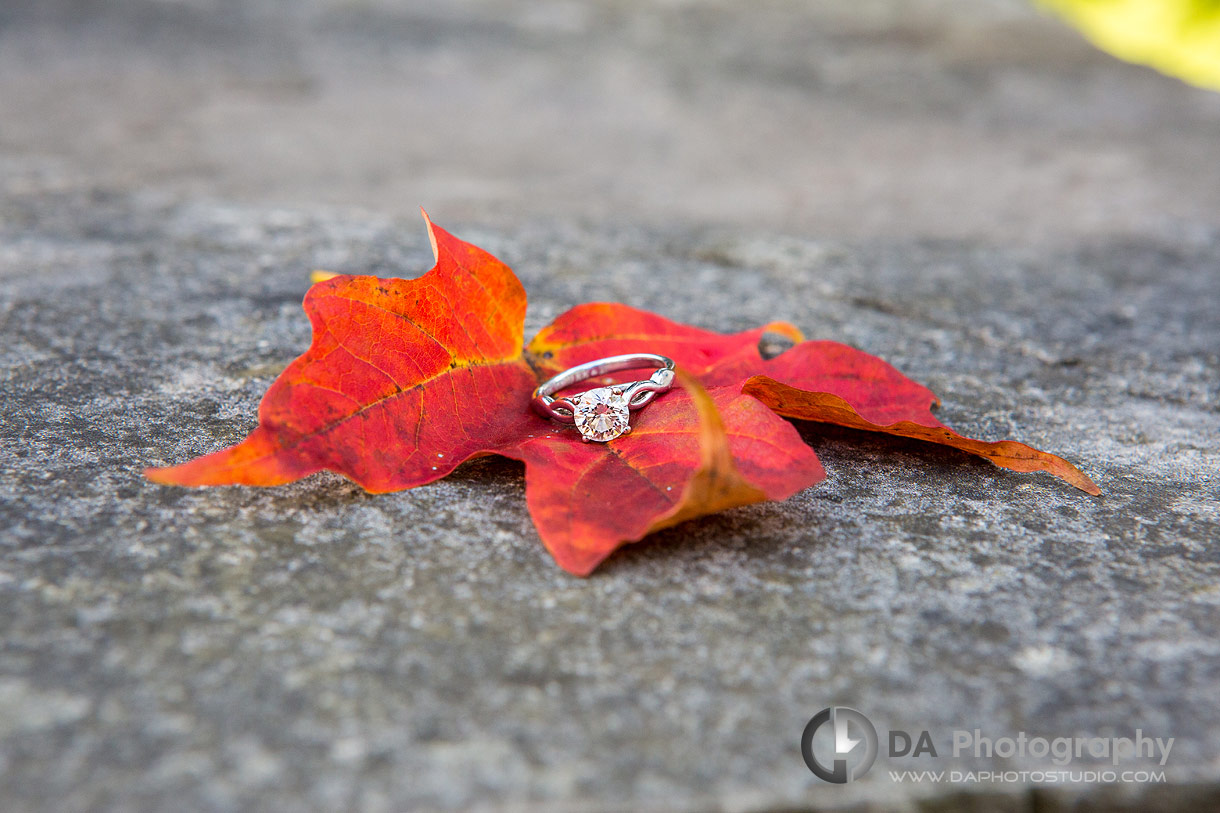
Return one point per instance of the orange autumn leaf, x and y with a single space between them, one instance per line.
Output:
406 379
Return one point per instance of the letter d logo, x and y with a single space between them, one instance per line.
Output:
842 720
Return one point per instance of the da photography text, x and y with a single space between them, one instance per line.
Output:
839 745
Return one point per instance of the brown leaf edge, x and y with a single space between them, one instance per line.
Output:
827 408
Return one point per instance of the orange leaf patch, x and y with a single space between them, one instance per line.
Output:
834 383
406 379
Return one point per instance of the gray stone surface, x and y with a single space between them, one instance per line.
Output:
1024 225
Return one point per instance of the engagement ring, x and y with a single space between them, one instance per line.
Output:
603 414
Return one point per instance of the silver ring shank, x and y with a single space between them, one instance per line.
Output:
638 393
592 369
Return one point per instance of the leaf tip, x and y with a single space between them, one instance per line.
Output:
253 462
183 474
157 474
581 567
1082 482
436 254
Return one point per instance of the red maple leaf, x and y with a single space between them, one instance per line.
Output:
406 379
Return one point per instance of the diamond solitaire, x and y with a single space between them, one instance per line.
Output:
601 414
604 413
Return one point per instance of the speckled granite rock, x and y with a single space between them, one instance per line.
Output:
312 647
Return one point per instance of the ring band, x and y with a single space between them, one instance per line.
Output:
603 414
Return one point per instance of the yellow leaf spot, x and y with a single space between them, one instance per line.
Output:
1177 37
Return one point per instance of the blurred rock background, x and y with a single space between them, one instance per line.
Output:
921 118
